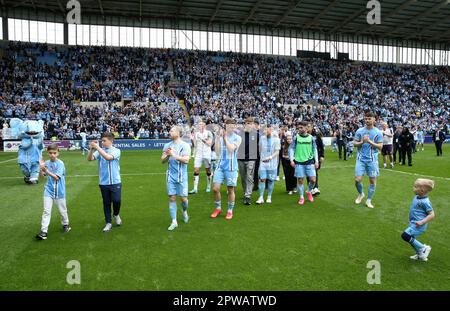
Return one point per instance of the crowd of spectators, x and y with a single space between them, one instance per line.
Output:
53 83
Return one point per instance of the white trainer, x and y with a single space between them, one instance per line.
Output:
172 226
269 200
107 228
414 257
359 198
290 192
260 200
424 252
118 220
185 217
369 203
417 257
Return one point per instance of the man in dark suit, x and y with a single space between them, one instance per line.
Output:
341 141
248 154
439 139
397 134
406 142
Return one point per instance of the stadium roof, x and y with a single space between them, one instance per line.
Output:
425 20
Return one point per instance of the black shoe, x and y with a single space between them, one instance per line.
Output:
410 164
41 236
66 228
26 180
247 201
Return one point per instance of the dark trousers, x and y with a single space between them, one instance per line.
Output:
406 151
341 147
111 194
316 185
438 145
256 176
397 149
289 178
278 166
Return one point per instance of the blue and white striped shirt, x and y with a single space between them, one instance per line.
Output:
176 170
228 160
267 147
109 171
367 153
55 189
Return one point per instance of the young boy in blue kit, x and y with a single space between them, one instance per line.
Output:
54 191
110 183
420 213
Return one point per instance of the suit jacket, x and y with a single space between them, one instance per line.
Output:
320 147
441 136
343 134
406 140
396 137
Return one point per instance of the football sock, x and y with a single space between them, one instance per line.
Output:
173 210
230 206
359 187
262 187
416 244
184 205
310 186
270 187
218 204
371 191
300 190
196 182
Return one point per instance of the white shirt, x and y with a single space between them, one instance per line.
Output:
202 150
386 139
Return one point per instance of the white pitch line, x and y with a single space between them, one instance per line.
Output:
418 175
9 160
394 171
88 176
163 173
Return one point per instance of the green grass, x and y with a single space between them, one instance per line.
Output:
321 246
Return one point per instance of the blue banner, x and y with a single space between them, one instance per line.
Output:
140 144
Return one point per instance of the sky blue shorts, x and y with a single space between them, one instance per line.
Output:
229 176
178 188
304 170
369 168
267 174
415 232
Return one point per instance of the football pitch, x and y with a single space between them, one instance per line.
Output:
325 245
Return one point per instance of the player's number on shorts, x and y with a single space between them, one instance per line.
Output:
231 180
